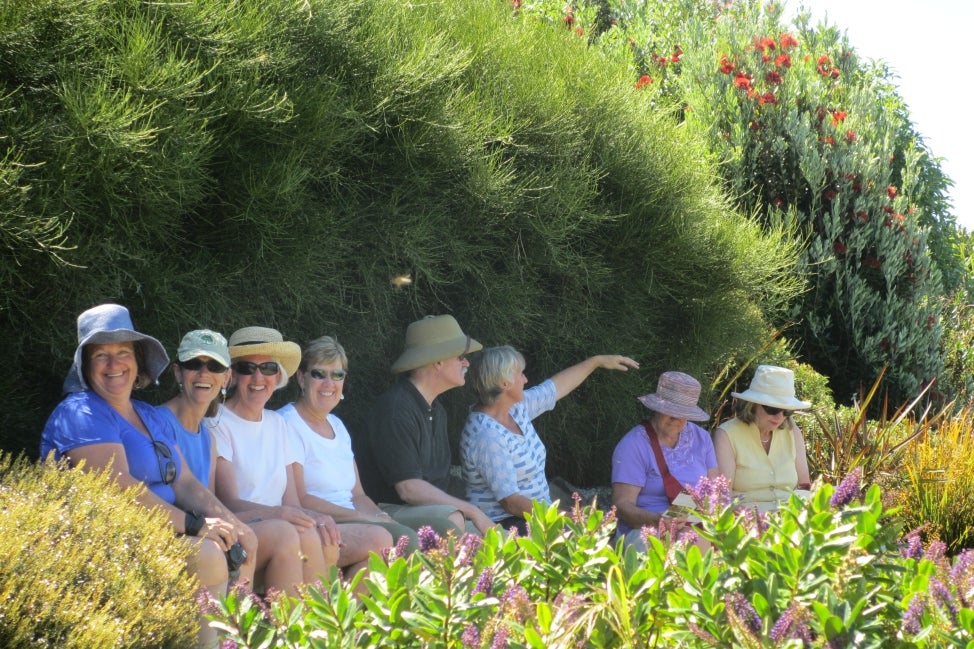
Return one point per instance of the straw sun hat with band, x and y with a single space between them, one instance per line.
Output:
676 396
111 323
773 387
264 341
432 339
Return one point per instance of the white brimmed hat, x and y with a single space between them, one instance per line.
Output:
111 323
773 386
676 395
264 341
432 339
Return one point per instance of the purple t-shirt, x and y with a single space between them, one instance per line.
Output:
634 463
84 418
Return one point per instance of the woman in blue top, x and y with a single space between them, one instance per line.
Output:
202 374
501 455
100 424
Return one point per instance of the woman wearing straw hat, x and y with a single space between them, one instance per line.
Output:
100 424
254 464
655 460
502 457
202 373
762 451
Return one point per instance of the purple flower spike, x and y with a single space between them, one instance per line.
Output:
848 490
913 615
914 546
791 626
500 638
962 576
428 539
739 607
471 637
944 598
485 582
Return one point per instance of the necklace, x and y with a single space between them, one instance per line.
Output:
310 416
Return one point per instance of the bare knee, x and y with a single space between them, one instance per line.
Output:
209 563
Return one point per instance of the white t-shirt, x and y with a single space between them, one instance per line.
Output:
260 452
329 464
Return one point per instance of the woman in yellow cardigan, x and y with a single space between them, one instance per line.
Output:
762 451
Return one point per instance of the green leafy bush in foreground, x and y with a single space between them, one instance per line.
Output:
828 572
82 566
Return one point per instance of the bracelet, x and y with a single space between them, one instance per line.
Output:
194 523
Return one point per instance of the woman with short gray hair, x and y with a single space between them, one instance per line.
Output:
501 455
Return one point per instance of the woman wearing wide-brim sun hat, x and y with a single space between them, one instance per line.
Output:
762 450
659 457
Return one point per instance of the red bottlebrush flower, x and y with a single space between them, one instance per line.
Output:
754 125
850 136
765 58
911 211
839 248
887 223
891 191
888 209
830 194
824 66
767 98
872 262
820 113
677 55
773 78
742 81
838 116
569 19
787 41
726 66
762 43
828 139
579 31
783 61
862 216
516 4
850 176
644 80
898 217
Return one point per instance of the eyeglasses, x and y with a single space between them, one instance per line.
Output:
167 470
321 375
196 364
776 411
267 368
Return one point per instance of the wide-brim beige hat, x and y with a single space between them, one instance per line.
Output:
432 339
264 341
676 396
773 386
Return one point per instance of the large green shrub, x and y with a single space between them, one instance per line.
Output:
83 566
281 163
806 132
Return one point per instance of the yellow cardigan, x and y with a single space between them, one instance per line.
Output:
760 476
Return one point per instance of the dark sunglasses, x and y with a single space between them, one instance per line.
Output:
321 375
776 411
167 470
267 368
196 364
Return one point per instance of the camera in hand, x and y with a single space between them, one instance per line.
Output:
236 555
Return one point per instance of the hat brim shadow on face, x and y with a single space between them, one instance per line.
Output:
286 353
663 407
153 353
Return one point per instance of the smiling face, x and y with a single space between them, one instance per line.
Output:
253 390
200 386
111 370
321 395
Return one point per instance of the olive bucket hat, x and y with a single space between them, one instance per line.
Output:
432 339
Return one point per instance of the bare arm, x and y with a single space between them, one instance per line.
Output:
363 504
250 512
726 460
326 525
624 499
318 504
517 504
572 377
801 460
416 491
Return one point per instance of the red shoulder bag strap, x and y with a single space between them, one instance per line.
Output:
670 484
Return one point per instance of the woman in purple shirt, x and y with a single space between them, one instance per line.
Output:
638 490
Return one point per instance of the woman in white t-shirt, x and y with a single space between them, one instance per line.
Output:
325 474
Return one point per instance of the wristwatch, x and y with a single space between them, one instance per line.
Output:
194 523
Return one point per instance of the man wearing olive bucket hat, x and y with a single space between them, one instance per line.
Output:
405 454
762 451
